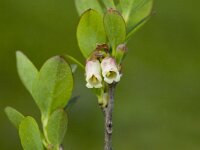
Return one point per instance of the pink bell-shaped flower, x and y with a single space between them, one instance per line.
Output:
110 71
93 74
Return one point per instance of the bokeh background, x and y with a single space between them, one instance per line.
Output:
158 99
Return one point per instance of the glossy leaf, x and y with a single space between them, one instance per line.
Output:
109 3
14 116
115 28
56 127
30 135
26 70
90 32
83 5
53 85
135 12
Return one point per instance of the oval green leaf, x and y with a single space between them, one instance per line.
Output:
83 5
135 13
30 134
115 28
90 32
53 85
56 127
14 116
26 70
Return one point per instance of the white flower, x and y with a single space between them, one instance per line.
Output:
110 71
93 74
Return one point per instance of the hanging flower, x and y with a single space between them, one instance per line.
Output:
93 74
109 70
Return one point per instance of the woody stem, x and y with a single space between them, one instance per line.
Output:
108 125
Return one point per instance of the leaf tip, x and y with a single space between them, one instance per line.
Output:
19 53
6 109
14 116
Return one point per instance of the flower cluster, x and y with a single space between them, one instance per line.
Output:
103 68
106 69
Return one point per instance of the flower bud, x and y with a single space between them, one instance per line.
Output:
109 70
120 53
103 100
93 74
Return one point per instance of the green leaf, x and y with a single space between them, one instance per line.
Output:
115 28
109 3
14 116
134 12
83 5
26 70
30 134
90 32
53 85
56 127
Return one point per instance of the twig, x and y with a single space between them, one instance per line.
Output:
108 119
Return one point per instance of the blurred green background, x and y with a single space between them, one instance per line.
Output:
158 100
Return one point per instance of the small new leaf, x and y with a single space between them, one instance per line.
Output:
26 70
14 116
30 134
56 127
90 32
